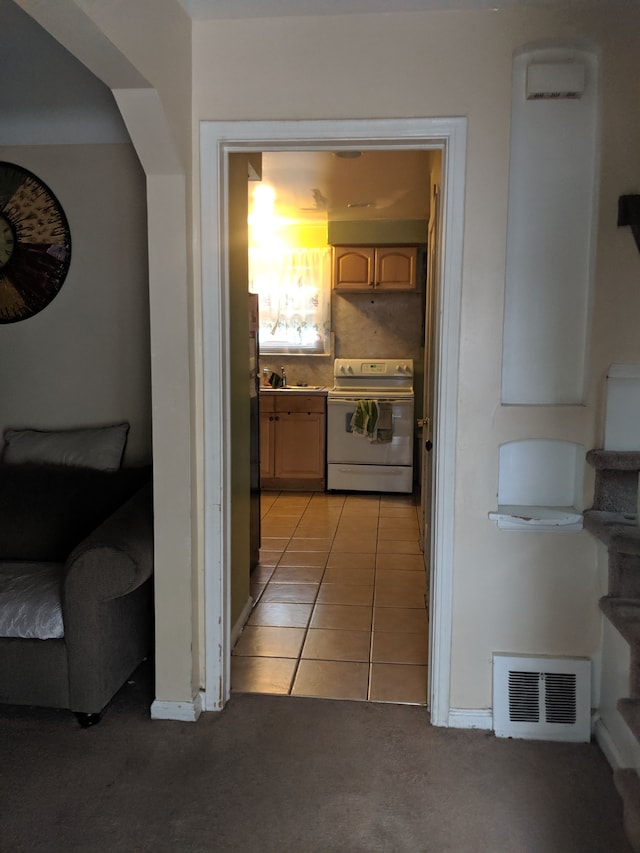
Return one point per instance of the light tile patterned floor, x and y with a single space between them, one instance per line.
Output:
339 596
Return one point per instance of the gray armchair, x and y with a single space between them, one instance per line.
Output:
105 584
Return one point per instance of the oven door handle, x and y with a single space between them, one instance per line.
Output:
400 401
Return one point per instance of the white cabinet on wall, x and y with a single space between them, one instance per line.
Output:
366 268
551 226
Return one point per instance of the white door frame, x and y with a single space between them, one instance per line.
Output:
217 141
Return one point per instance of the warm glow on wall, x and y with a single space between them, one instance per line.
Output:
268 228
263 222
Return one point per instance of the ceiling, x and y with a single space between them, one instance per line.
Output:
68 104
229 9
318 186
238 9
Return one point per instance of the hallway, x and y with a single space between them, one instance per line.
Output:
339 596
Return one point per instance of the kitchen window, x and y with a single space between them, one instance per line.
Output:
294 294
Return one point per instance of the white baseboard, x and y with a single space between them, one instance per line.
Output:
607 744
237 628
466 718
185 712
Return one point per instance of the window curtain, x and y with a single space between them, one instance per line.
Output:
294 294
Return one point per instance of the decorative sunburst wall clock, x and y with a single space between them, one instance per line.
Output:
35 244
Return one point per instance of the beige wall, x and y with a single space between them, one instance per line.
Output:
142 50
84 359
512 592
530 593
155 35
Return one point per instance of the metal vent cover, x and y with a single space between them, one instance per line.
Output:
542 698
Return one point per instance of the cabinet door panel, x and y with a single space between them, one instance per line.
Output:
267 425
353 268
267 401
290 401
396 268
299 451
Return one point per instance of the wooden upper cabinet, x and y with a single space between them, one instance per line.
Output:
359 268
353 267
396 268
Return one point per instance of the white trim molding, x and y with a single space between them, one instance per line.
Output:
607 744
241 621
468 718
217 141
184 712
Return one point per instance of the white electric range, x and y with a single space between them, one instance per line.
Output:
356 462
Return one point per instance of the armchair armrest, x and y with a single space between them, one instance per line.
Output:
107 603
113 560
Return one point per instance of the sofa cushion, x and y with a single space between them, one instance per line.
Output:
30 600
88 447
46 510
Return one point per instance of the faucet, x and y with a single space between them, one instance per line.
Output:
283 381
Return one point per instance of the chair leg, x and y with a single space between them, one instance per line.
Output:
87 720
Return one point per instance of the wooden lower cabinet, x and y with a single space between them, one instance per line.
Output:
292 441
267 429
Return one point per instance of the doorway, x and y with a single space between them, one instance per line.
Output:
338 597
218 140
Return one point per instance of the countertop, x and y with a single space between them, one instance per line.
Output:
319 390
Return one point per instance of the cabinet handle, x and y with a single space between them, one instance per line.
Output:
372 284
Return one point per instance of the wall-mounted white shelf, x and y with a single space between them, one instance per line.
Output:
540 486
538 519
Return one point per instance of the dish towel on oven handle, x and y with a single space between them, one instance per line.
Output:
365 419
373 420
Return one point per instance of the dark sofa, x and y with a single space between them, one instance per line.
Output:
84 537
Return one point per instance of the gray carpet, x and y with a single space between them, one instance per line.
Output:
290 774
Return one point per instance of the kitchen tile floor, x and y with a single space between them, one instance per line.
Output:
339 600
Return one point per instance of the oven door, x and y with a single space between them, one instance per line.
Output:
345 446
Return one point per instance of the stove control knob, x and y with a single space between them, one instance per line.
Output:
342 368
350 369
